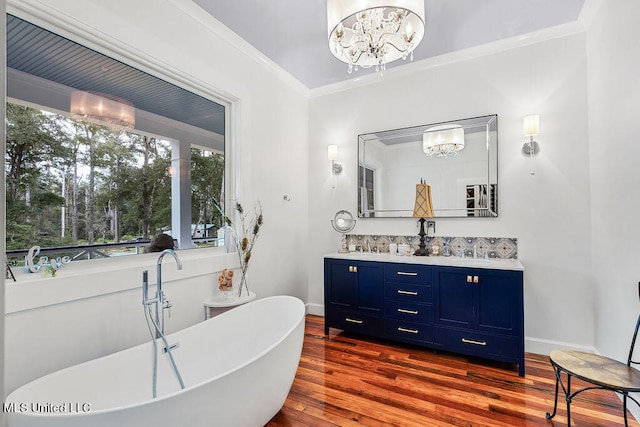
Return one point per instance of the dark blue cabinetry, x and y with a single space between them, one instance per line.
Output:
354 296
473 311
479 312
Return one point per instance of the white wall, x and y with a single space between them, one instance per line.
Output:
549 213
270 130
614 66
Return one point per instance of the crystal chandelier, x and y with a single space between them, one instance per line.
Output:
374 32
443 141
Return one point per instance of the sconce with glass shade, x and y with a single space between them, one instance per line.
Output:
332 154
530 128
368 33
102 109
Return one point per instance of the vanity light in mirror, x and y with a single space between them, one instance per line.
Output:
443 141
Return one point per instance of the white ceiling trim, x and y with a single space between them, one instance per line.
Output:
498 46
588 12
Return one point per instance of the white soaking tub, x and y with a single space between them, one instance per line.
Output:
237 368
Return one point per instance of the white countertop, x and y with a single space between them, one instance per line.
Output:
452 261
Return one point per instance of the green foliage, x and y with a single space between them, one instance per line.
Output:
101 184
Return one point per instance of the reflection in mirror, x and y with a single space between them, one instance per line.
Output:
458 159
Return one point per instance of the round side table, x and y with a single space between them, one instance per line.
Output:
221 303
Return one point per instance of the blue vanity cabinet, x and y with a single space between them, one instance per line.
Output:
480 312
408 303
354 296
473 311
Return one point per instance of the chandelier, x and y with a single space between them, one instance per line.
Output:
443 141
102 109
374 32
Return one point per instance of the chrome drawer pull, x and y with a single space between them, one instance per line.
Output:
402 310
412 331
407 292
402 273
466 341
359 322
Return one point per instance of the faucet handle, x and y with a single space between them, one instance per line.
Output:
168 305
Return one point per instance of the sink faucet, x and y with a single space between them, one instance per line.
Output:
163 304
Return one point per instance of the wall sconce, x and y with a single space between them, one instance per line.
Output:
531 127
332 154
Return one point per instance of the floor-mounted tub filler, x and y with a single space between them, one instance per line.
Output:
237 368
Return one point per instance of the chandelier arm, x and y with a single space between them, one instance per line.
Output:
353 61
398 49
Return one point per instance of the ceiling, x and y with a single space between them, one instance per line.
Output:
293 33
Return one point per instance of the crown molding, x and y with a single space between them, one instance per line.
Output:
216 27
487 49
589 11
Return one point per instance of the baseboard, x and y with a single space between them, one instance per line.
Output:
542 346
315 309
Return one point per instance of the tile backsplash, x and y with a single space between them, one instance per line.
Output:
497 247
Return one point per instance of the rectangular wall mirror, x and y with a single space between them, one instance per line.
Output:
458 159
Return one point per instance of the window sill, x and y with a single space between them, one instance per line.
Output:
87 279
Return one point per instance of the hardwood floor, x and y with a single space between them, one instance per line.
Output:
346 380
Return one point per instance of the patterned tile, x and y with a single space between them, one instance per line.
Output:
496 247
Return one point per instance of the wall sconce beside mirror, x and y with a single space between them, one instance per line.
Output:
530 128
458 159
332 154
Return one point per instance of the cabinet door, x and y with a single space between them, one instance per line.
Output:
499 301
453 297
481 299
369 287
339 284
354 285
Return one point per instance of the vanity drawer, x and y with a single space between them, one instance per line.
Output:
408 292
498 347
354 322
407 273
409 311
407 331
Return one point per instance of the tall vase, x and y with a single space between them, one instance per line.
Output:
243 284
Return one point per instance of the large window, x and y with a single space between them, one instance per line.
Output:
112 179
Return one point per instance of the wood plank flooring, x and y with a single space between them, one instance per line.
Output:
347 380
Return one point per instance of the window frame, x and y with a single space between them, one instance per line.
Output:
87 36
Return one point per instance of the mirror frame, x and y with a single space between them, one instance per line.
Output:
481 198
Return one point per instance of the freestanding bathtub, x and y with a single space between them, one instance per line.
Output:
237 368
